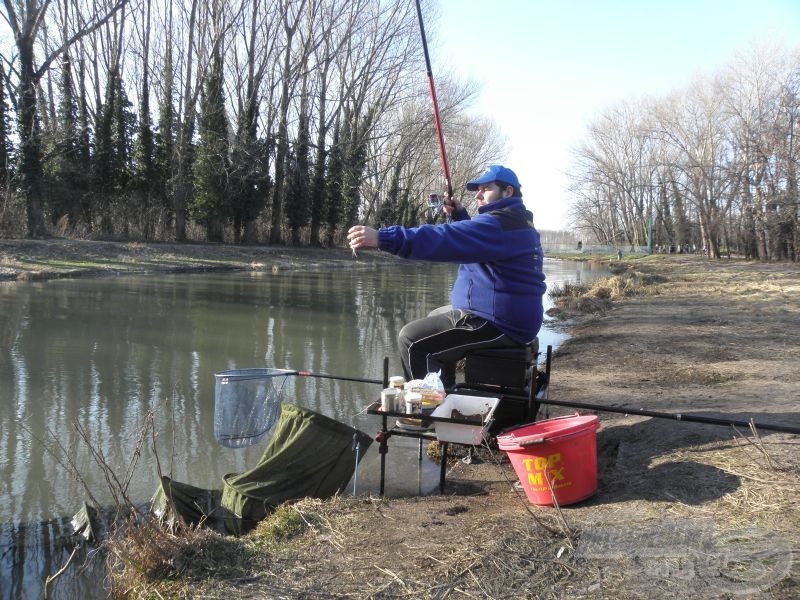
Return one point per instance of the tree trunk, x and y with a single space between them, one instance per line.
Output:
183 185
275 236
30 164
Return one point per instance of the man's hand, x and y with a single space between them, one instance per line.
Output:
360 236
450 205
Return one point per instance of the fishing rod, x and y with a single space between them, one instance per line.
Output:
436 118
691 418
384 382
674 416
338 377
652 413
626 410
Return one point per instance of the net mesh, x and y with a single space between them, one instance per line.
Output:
246 404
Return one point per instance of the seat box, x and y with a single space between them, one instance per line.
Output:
505 367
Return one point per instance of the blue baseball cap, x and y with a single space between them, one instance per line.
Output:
494 173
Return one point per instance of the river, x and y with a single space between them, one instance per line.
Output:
86 364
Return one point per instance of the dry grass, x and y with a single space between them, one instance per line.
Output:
704 520
573 299
344 559
144 560
624 285
705 376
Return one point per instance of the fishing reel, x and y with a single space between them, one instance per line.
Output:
435 204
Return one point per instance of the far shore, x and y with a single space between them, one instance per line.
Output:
57 258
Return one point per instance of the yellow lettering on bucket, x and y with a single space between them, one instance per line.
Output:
540 463
535 478
542 473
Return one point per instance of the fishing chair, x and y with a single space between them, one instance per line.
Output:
512 375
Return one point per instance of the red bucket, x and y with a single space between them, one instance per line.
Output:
556 459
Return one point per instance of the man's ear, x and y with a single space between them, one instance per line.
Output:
508 191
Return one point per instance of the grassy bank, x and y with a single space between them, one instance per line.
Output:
23 260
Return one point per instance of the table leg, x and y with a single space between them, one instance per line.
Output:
383 448
443 471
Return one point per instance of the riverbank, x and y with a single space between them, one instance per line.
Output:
682 509
27 260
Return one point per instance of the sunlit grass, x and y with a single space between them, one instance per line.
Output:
72 264
567 290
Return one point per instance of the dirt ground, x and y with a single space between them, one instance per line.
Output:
682 509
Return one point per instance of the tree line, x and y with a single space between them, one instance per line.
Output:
251 121
711 168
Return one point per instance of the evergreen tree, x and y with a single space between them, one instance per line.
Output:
333 192
68 111
84 149
353 171
165 138
351 182
388 213
249 180
103 157
67 174
115 125
5 142
144 169
124 125
29 152
210 205
298 201
317 195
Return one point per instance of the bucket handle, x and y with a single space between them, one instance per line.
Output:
524 443
533 442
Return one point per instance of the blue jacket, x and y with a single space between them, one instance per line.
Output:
500 277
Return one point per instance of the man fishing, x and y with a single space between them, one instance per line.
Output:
496 301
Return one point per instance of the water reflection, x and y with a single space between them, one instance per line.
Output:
92 358
31 552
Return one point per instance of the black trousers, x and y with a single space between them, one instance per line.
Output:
438 341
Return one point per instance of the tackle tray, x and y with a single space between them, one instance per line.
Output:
449 429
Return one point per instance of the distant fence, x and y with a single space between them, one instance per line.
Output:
592 249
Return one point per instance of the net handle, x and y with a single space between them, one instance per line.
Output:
339 377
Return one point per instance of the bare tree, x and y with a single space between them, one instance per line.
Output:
618 167
184 143
254 49
26 21
291 15
761 97
714 165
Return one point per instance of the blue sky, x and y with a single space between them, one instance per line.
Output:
545 68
